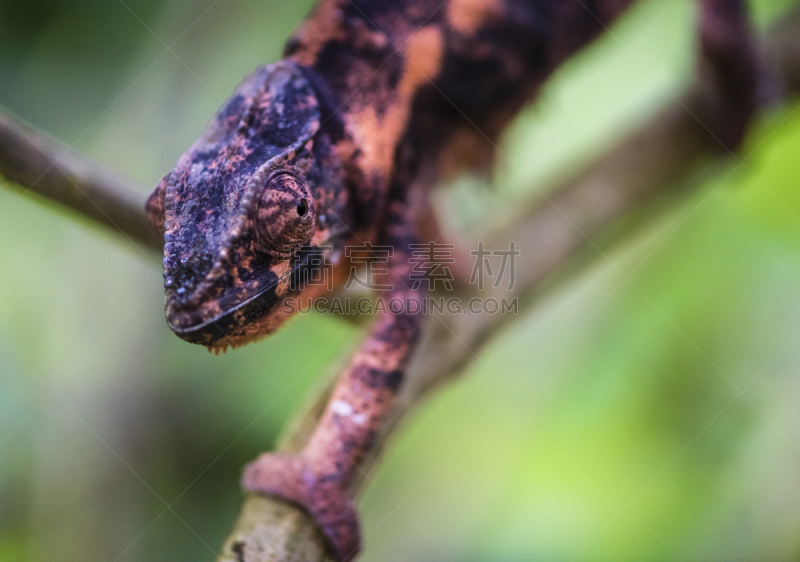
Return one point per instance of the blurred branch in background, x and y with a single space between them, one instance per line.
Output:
669 148
45 167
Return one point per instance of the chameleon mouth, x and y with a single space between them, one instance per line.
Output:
230 320
211 326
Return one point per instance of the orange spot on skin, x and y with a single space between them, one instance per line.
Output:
378 133
324 25
467 16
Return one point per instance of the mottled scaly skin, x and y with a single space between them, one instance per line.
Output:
322 149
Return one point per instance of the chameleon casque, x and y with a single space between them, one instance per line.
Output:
374 101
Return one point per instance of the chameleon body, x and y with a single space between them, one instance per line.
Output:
373 100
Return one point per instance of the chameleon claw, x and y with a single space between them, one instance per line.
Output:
289 477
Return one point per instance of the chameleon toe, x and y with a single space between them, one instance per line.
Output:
289 477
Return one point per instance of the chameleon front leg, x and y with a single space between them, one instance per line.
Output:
320 477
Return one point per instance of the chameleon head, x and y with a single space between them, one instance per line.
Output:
248 209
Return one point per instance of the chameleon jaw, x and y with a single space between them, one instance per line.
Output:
218 329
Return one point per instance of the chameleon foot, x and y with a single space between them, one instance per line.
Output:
289 477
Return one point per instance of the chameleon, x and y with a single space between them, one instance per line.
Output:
334 145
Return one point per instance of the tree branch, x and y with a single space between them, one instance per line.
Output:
664 153
44 167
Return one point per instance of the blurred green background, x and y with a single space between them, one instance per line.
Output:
647 409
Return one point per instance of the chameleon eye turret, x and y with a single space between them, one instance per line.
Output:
286 214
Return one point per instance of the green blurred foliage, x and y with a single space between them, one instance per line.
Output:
645 410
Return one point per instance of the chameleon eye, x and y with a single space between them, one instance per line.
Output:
286 214
302 207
